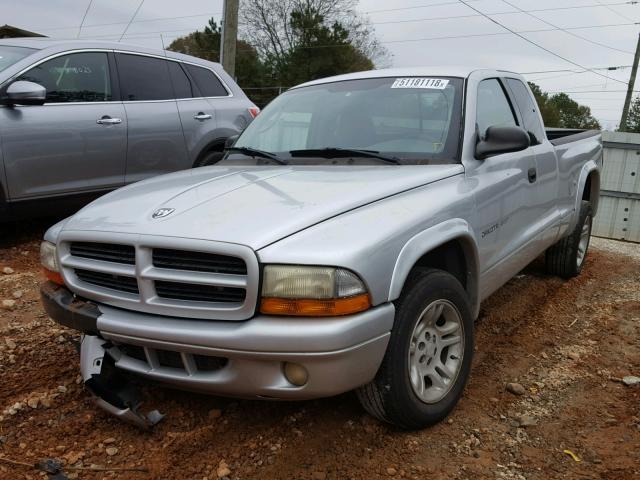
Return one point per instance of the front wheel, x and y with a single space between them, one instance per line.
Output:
428 358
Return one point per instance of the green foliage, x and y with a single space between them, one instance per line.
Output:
561 111
633 118
250 70
321 50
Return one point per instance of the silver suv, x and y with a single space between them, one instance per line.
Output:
81 118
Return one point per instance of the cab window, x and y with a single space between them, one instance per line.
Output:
528 110
493 107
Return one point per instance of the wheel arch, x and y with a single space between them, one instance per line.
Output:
590 189
215 145
449 246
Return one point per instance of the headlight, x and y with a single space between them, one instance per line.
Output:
48 256
49 261
312 291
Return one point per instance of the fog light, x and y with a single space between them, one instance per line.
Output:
295 374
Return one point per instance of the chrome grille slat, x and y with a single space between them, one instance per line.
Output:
169 276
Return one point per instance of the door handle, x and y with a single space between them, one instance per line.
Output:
106 120
532 174
202 116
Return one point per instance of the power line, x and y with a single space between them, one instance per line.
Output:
565 31
536 44
131 20
614 11
84 18
632 2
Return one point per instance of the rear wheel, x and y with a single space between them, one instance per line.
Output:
567 257
428 358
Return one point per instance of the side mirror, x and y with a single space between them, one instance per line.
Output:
228 143
502 140
25 93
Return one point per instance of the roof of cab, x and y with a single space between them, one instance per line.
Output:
435 71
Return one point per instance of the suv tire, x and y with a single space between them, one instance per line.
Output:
429 355
210 158
567 256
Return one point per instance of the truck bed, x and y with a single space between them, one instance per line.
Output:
560 136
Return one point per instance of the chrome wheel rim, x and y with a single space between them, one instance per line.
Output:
583 244
436 351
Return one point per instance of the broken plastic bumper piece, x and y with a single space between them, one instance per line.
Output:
110 389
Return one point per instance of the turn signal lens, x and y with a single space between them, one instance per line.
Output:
315 307
254 111
55 277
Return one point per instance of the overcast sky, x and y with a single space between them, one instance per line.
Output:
406 28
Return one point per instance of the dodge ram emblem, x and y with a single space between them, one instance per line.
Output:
162 212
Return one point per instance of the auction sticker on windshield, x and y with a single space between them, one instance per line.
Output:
417 82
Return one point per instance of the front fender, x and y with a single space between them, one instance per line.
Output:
430 239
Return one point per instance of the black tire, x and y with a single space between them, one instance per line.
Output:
210 158
390 397
563 259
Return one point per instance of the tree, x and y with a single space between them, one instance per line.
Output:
250 71
633 119
320 50
561 111
266 24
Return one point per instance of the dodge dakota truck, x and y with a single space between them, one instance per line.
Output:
344 242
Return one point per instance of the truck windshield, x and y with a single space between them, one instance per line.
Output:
411 120
10 55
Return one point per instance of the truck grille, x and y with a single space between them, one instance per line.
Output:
199 293
198 262
103 251
171 359
113 282
204 279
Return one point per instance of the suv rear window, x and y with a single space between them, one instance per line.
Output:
143 78
207 82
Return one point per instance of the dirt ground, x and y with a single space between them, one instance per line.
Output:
568 343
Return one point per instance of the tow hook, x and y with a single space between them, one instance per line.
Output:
110 390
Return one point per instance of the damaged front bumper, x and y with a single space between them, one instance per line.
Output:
110 390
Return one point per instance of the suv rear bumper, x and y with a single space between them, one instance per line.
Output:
338 353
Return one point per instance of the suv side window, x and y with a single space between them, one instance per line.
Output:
528 110
181 83
77 77
143 78
207 82
493 106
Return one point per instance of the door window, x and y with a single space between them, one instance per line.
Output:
207 82
528 110
144 78
493 106
77 77
181 83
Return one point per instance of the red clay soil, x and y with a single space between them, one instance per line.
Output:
568 343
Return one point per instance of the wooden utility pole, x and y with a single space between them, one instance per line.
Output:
632 81
229 36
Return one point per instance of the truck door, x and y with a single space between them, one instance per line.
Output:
545 187
75 142
505 191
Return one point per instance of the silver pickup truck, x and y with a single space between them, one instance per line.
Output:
344 242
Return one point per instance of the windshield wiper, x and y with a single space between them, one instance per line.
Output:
334 152
254 152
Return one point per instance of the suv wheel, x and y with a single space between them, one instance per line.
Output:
428 358
566 257
210 158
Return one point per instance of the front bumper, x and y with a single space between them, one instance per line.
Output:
235 358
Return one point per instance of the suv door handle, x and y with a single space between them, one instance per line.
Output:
107 120
202 116
532 174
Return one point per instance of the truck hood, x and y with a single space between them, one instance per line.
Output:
253 206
